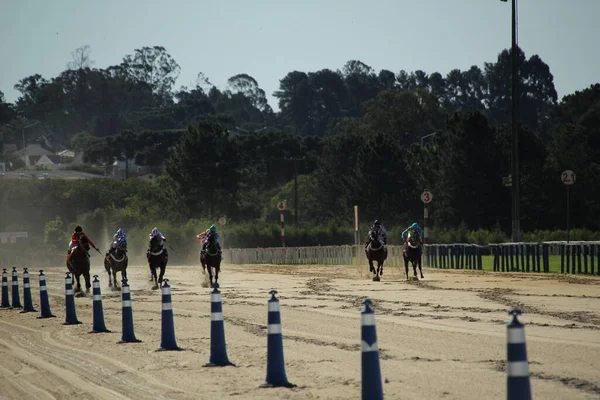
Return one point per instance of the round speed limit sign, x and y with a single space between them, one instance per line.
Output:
568 177
426 197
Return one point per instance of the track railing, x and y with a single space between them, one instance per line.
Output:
574 257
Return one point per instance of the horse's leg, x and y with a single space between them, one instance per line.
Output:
371 268
88 283
77 280
406 266
114 273
421 269
107 268
217 269
163 268
153 276
210 274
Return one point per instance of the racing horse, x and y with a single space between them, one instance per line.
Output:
116 261
413 252
376 251
79 264
211 259
157 258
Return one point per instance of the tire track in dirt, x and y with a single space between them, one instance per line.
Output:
574 383
502 296
47 347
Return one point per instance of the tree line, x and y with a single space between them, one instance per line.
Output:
350 137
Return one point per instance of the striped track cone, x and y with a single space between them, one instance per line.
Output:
44 302
128 335
167 336
98 312
218 348
517 366
71 315
27 302
276 376
16 302
5 303
371 373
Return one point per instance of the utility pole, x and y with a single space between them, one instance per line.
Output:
516 179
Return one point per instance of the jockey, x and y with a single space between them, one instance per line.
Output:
414 227
202 236
155 232
381 233
213 231
118 238
75 239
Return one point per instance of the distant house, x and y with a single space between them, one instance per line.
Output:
51 161
34 150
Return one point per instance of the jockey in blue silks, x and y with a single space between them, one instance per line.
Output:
414 227
119 239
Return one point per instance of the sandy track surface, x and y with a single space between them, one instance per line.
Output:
440 338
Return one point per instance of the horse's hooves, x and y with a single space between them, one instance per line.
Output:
376 279
155 287
422 277
80 294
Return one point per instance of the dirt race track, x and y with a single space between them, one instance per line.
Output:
441 338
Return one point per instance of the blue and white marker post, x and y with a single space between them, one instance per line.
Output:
71 315
16 301
44 302
128 335
218 348
517 365
5 303
27 302
276 376
371 373
98 313
167 337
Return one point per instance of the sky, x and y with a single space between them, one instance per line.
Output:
269 38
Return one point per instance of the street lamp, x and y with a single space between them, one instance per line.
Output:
516 218
426 136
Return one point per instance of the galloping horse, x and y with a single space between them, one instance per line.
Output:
79 264
117 261
376 251
412 252
211 258
157 258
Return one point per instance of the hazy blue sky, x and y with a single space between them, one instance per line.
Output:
269 38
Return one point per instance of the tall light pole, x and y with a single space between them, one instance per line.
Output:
23 137
516 215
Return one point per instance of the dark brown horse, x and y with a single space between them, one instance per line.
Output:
116 261
376 251
79 264
157 258
211 259
413 252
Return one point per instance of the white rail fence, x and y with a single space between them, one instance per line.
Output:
327 255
